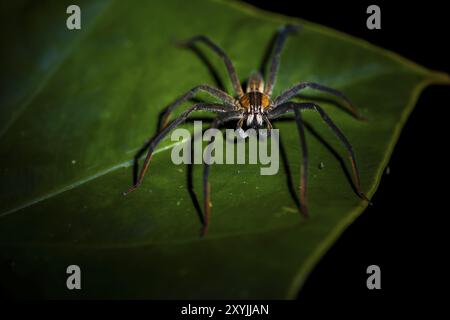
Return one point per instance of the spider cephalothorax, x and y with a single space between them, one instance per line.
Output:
255 103
255 108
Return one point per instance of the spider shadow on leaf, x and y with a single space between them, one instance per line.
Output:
283 155
321 99
267 54
146 145
190 166
310 129
206 62
333 151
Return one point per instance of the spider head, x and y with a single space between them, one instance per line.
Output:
254 103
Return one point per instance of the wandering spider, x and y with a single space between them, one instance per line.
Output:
256 108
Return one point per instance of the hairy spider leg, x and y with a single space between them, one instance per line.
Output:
290 106
291 92
228 101
268 124
302 203
220 120
278 47
157 139
229 65
304 165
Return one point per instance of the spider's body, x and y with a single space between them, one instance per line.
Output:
255 108
255 102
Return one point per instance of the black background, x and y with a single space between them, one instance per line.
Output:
404 227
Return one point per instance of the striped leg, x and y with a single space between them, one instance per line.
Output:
157 139
228 101
304 165
229 65
291 92
275 64
220 120
291 106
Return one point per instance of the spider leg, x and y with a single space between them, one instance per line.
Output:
304 165
290 106
228 101
278 47
229 65
220 120
240 123
267 122
291 92
157 139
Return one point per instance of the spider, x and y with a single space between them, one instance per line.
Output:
255 107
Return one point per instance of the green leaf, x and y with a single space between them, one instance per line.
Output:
77 105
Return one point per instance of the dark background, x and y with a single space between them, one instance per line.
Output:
402 229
